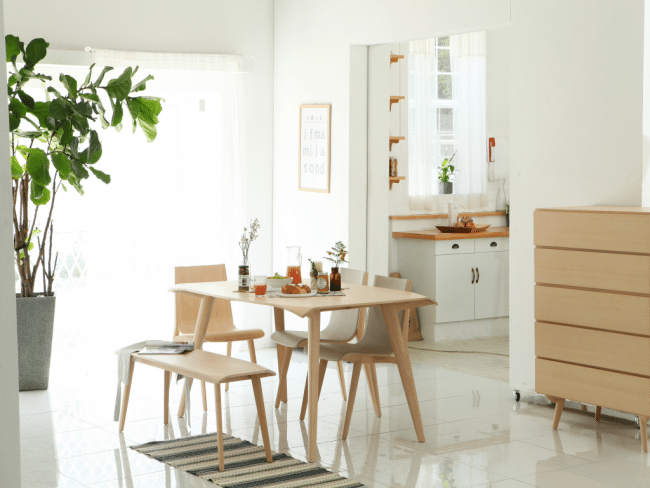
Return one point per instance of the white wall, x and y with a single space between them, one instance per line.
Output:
203 26
9 420
575 130
312 65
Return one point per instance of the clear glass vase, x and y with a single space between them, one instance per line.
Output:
501 196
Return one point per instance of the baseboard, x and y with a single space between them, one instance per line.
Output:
470 329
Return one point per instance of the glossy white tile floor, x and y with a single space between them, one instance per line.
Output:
476 434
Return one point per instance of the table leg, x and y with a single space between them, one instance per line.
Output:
201 327
168 379
404 365
313 362
278 315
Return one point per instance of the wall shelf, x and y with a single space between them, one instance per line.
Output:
395 179
394 140
395 99
394 58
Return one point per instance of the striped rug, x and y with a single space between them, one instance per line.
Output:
245 464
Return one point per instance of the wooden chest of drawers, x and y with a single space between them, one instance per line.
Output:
592 308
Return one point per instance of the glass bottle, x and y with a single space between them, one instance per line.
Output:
335 279
501 196
244 277
294 264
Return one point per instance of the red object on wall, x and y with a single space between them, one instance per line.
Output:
491 144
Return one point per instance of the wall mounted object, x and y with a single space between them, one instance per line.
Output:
314 155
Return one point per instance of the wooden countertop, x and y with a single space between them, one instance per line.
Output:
443 215
436 235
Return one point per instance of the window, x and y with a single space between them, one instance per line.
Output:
446 103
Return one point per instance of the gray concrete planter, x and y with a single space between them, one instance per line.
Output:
35 318
445 188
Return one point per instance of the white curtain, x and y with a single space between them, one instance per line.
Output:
426 153
177 201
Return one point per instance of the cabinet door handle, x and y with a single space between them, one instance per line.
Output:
477 275
473 276
455 246
494 244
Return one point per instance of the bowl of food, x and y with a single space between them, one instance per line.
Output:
276 282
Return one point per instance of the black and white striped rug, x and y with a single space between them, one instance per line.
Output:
245 464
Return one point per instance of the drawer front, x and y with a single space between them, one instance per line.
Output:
598 310
491 245
605 271
608 350
460 246
617 391
598 231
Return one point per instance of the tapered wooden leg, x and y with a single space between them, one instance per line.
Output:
305 399
204 397
278 316
559 405
228 353
339 366
282 387
404 366
181 407
643 423
217 406
356 372
125 396
598 413
261 415
373 388
251 351
313 339
168 380
322 369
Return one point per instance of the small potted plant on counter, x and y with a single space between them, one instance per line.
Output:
445 185
337 256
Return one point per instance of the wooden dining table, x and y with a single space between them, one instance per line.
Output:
356 296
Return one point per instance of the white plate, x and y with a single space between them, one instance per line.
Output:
297 295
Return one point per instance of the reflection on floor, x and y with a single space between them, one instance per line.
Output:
476 434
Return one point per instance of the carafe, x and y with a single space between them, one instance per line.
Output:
293 265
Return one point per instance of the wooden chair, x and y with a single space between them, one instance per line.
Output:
374 346
344 326
220 328
207 367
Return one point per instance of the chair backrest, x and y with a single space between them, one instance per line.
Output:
343 324
187 307
376 333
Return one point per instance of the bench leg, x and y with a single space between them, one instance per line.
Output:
322 368
229 353
598 409
217 405
282 387
356 372
168 380
204 396
339 366
181 407
643 423
261 415
125 397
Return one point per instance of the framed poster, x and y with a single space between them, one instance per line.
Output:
314 156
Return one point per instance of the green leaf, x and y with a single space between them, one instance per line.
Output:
146 110
26 99
38 166
13 47
94 150
72 179
16 168
59 108
89 76
80 123
70 84
118 113
120 87
74 146
39 194
101 175
83 108
66 136
90 97
41 110
28 134
17 108
14 122
78 170
36 50
61 162
51 89
101 76
141 85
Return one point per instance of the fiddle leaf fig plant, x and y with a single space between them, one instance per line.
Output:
446 169
54 140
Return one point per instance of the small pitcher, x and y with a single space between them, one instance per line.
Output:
293 265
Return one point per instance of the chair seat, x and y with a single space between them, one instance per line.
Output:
337 352
298 338
226 336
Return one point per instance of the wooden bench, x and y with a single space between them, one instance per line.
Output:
210 368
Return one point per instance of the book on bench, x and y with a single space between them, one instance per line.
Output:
166 347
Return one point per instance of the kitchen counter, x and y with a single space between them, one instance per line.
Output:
436 235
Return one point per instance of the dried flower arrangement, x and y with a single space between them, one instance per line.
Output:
338 254
246 240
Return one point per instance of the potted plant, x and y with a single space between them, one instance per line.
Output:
446 171
507 215
337 256
54 144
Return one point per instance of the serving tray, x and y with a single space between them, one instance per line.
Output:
461 230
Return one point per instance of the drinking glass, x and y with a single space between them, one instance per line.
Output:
259 285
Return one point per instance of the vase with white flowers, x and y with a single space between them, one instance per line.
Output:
244 244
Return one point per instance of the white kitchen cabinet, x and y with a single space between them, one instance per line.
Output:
454 288
491 286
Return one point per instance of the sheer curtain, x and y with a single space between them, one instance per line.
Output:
440 126
177 201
